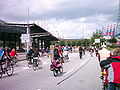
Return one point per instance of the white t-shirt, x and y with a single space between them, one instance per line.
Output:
104 53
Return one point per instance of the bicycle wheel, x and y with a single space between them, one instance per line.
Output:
1 72
29 64
39 63
117 88
10 69
105 87
61 70
35 65
55 72
16 62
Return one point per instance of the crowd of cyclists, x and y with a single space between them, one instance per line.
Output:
109 60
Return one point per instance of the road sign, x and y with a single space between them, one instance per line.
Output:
97 40
25 38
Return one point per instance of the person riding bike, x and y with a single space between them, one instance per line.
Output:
13 53
58 53
57 56
80 52
30 54
36 53
113 65
103 53
4 56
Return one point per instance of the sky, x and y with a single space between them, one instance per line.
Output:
69 19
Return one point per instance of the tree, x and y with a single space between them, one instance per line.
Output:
113 40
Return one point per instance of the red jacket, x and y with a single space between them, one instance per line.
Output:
114 68
13 53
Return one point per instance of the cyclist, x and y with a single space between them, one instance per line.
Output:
14 55
4 56
58 53
103 53
30 54
36 53
80 52
113 69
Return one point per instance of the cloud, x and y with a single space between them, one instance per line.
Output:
64 16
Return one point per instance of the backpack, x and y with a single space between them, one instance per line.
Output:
56 53
30 52
1 54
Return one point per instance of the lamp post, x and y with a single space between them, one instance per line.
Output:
57 34
28 32
102 30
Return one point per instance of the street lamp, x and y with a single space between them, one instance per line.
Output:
28 32
57 34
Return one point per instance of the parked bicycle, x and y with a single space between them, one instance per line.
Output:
8 70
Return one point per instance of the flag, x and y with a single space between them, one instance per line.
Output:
107 32
110 31
114 28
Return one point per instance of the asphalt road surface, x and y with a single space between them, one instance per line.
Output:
79 74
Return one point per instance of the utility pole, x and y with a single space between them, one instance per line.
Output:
28 31
118 21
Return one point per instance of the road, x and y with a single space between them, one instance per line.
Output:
79 74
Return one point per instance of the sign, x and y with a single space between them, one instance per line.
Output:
25 38
97 40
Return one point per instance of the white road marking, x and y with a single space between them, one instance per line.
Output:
68 72
44 63
24 68
38 89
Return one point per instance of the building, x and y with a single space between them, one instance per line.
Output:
10 35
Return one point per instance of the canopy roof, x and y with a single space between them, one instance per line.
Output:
35 30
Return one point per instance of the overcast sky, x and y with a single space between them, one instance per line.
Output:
64 18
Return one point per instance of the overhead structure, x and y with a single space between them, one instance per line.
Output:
10 34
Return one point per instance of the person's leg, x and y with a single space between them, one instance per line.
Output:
80 54
111 86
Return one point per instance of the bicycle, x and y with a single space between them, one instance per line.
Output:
35 62
56 67
15 61
105 81
9 69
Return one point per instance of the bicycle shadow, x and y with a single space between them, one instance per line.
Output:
6 76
